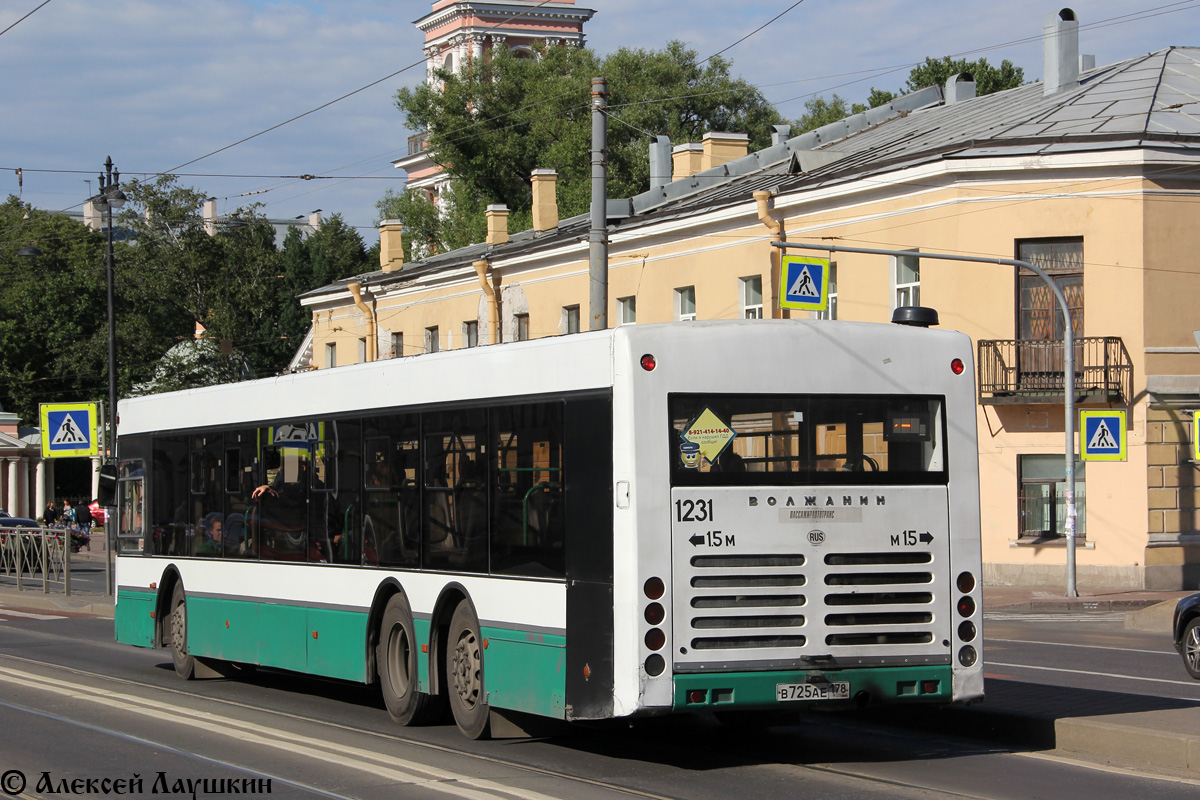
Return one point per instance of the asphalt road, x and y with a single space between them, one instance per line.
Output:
76 706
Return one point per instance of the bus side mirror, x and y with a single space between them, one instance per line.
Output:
108 486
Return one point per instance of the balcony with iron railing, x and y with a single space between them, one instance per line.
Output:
1031 371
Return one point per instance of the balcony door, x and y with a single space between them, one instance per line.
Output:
1039 320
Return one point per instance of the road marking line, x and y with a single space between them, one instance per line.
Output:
1099 674
389 767
1171 653
8 612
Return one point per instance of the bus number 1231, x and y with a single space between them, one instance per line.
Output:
694 510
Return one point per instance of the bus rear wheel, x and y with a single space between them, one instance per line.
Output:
396 665
185 663
464 673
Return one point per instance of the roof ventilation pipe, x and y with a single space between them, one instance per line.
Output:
1060 52
780 134
959 87
660 161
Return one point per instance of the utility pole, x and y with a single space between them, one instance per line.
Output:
598 233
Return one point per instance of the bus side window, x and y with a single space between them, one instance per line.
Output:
528 515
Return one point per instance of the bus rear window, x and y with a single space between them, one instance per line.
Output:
806 439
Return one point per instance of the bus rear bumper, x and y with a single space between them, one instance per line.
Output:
845 688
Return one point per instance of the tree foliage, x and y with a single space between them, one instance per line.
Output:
170 272
931 72
501 117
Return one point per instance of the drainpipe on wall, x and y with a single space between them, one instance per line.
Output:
356 293
763 199
482 267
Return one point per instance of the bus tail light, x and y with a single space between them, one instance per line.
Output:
655 639
930 687
966 631
697 695
966 582
654 588
967 656
655 665
966 606
655 613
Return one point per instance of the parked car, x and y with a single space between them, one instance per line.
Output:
1187 633
18 522
99 513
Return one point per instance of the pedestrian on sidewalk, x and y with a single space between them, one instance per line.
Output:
50 515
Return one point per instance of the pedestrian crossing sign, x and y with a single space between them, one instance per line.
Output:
69 429
1102 435
804 283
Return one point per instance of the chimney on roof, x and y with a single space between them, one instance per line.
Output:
721 148
497 223
780 134
314 220
210 216
545 200
685 159
1060 52
391 245
660 161
958 88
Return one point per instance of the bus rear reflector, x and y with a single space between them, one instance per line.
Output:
957 366
649 362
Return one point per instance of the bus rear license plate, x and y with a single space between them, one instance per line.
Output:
837 690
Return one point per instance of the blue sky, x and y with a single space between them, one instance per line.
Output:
157 84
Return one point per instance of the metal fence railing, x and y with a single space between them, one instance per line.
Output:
39 553
1014 370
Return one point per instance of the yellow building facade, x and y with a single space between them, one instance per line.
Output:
1091 177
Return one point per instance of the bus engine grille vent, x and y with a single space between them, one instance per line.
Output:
747 602
875 599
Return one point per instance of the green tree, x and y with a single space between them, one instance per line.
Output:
988 79
818 111
502 117
931 72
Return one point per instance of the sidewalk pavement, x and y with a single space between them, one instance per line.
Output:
1151 733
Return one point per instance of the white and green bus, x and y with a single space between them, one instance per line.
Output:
703 516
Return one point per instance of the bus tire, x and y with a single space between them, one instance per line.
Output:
464 673
396 665
185 663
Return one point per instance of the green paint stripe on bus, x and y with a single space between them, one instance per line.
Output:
133 618
318 641
760 689
525 671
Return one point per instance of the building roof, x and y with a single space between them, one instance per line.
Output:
1151 100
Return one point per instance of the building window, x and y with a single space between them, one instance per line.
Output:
570 321
362 350
685 304
1042 510
397 345
906 279
626 310
1039 317
470 333
522 324
432 340
751 296
830 311
330 355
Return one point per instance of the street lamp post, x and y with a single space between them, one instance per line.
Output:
110 197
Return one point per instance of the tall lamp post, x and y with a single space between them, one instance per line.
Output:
110 197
